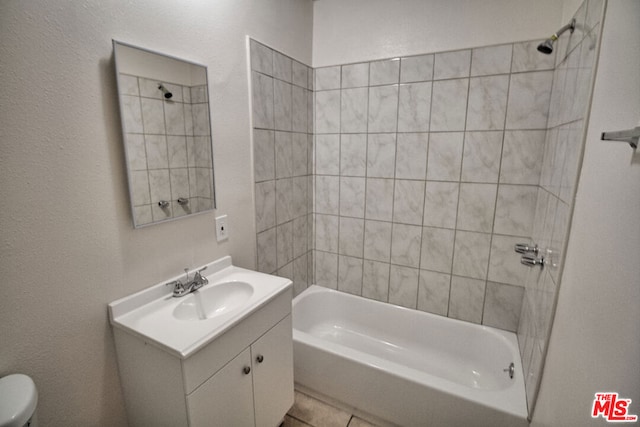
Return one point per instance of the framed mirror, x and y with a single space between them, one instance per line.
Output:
164 108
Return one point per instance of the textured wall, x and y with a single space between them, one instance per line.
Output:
374 29
68 246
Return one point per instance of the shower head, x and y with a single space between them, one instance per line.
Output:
165 91
546 46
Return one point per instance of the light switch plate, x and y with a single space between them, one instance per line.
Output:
222 231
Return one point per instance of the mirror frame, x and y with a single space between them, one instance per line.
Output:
120 87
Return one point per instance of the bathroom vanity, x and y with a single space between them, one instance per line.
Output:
220 356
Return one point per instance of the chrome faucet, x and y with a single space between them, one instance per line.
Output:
198 281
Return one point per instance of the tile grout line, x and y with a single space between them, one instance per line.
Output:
339 178
424 194
393 197
495 206
455 230
366 153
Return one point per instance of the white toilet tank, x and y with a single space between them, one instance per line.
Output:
18 401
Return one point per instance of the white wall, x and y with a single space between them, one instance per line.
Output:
361 30
595 342
569 8
139 62
68 246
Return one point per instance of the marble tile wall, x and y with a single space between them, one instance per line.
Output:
426 174
168 147
569 103
420 173
282 103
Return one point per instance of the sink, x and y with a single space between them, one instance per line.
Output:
184 325
214 300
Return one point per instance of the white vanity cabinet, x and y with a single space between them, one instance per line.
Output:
243 377
257 381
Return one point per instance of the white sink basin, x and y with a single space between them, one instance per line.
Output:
184 325
211 301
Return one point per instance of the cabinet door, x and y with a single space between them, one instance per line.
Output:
272 357
225 399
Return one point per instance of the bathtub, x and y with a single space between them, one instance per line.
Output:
403 366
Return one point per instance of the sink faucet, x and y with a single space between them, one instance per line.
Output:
198 281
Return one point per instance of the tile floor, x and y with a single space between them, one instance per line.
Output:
310 412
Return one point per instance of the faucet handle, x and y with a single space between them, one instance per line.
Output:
174 283
532 261
526 248
178 287
186 272
200 277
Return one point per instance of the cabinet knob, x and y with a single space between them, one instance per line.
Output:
260 358
246 370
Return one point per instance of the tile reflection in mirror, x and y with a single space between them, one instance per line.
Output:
166 127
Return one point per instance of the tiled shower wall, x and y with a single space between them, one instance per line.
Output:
570 98
427 170
282 105
426 174
168 148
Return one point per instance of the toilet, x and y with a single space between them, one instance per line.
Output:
18 401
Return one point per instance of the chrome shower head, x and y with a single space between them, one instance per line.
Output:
165 91
546 46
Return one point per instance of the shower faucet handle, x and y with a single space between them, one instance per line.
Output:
527 248
532 261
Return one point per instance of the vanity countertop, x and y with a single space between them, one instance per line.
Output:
150 313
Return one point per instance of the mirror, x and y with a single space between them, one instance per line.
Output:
167 134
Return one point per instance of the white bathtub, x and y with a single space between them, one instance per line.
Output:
404 366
